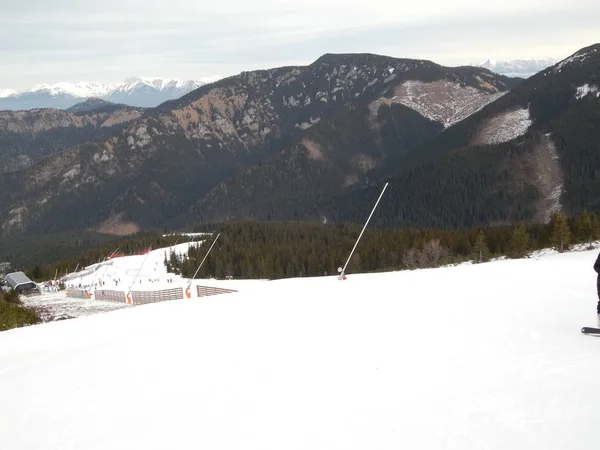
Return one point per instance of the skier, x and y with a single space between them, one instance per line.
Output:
597 269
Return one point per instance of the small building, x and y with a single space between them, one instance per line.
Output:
21 283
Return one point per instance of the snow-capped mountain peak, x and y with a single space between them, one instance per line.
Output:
81 90
517 67
489 62
7 93
135 91
160 84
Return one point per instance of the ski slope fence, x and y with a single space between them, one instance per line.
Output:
110 296
77 293
205 291
144 297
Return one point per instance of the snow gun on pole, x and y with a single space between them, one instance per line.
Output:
204 259
341 270
110 256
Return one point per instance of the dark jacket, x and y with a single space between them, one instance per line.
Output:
597 266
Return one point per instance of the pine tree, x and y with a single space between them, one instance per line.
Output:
480 248
561 233
588 228
519 242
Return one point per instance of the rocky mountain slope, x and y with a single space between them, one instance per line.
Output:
318 129
137 91
26 137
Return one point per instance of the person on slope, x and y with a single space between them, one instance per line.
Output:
597 269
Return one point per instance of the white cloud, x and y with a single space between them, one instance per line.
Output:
107 41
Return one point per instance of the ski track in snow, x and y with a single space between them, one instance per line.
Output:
465 357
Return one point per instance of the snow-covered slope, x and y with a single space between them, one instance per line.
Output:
523 68
468 357
147 271
137 91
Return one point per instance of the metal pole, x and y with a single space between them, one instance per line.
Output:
137 274
341 277
205 256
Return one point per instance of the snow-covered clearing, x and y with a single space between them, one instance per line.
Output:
468 357
444 101
504 127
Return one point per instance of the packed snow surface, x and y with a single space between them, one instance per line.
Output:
469 357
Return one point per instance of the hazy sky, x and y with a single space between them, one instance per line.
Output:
46 41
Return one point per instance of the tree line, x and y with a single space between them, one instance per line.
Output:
283 249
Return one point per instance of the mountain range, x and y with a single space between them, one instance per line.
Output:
460 147
523 68
136 91
150 92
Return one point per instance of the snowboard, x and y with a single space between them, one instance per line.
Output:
590 330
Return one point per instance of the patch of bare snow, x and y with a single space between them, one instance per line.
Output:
306 125
75 170
553 200
57 306
586 89
504 127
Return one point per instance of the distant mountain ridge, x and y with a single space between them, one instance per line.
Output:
523 68
92 104
136 91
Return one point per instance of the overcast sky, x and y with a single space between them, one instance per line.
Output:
47 41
